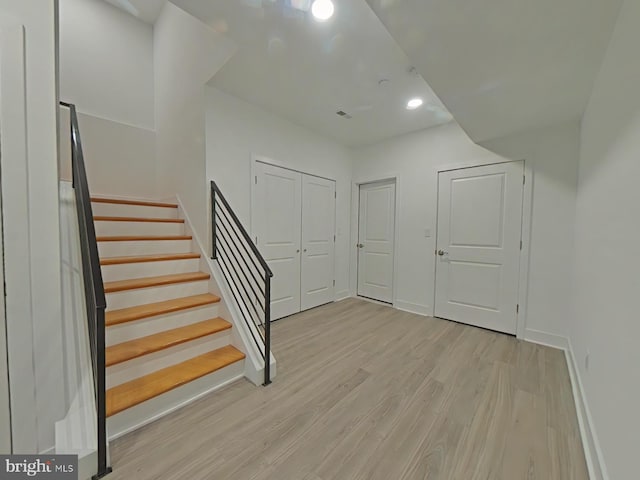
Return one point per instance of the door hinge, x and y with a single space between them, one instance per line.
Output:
256 240
518 308
334 283
335 194
334 239
520 244
524 179
256 179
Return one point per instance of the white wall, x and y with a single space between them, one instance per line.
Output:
30 187
236 130
106 62
106 70
607 264
187 53
120 159
416 159
553 152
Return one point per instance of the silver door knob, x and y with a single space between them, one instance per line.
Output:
297 251
360 245
305 250
442 252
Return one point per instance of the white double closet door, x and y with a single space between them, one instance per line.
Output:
293 217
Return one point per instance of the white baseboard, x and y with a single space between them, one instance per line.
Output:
590 444
130 420
592 451
342 295
424 310
546 339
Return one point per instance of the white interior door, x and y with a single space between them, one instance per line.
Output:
277 220
376 234
478 245
318 227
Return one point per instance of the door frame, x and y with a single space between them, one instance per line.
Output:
255 159
525 235
355 227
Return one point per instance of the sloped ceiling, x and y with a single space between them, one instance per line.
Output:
502 66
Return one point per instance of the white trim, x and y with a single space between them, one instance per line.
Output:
373 300
546 339
590 443
173 408
342 295
424 310
17 245
525 235
355 215
525 253
5 400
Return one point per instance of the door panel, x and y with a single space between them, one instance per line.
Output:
278 222
376 234
478 261
318 218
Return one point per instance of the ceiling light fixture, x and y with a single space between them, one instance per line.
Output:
414 103
322 10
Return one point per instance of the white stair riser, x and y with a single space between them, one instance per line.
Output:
141 366
135 417
124 271
149 326
117 210
146 247
142 296
106 228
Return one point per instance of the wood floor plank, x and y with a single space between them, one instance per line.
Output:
148 258
135 283
130 314
365 392
103 218
138 347
142 238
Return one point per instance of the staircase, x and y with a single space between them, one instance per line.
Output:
165 343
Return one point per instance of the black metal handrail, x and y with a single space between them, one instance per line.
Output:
95 300
246 273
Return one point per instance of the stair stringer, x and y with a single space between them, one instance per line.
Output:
228 309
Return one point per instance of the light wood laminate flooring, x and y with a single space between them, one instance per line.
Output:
366 392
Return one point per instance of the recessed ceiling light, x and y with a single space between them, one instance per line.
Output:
414 103
322 9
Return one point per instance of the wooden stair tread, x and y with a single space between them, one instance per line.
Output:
148 258
135 283
140 238
142 203
123 315
169 338
136 391
100 218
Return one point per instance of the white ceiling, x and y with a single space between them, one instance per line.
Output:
504 66
306 71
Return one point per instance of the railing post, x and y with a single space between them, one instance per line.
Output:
103 467
214 254
267 329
